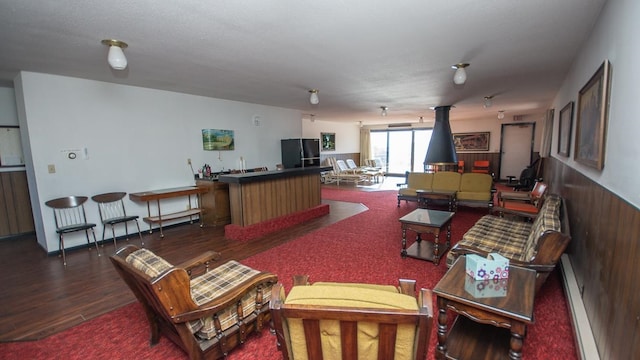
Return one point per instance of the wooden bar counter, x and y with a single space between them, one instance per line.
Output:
259 196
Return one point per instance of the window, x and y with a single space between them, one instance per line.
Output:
401 150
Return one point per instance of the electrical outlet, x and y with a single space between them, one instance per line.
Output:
51 168
188 161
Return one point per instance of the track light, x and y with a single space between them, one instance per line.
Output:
116 57
313 99
487 101
384 111
460 75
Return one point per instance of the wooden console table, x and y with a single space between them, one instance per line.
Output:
157 195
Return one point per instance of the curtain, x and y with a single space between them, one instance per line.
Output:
547 134
365 146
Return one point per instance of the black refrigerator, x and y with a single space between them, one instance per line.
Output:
300 152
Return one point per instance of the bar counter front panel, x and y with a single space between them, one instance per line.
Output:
260 196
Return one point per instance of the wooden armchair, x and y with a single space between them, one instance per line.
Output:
205 310
351 321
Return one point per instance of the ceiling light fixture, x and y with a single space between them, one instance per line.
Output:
500 114
460 75
384 111
116 57
313 99
487 101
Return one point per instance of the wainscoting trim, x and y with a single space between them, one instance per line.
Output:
585 343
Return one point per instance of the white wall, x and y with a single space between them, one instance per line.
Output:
136 138
8 114
614 39
494 126
347 134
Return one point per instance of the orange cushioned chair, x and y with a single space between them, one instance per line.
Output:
481 166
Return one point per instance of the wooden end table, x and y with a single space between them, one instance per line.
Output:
425 221
479 329
424 196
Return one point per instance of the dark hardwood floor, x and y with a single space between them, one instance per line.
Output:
41 297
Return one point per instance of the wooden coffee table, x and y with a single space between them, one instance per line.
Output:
485 327
424 196
425 221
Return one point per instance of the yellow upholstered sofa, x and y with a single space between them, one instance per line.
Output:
472 189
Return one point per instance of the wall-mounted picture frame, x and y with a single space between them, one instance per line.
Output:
475 141
328 141
215 139
591 121
564 130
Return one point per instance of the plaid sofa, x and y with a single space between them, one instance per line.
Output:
538 244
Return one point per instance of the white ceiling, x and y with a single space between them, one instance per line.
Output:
360 54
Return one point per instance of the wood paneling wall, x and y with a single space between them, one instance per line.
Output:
259 201
15 207
604 253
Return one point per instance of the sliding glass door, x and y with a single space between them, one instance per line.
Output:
401 150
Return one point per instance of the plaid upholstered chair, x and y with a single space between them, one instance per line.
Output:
351 321
205 310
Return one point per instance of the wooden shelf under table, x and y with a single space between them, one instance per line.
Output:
157 195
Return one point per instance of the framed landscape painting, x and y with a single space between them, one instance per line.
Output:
591 122
564 135
213 139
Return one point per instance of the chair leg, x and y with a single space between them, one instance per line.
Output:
61 248
139 233
95 242
104 227
113 232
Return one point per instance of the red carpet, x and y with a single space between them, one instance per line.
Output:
362 248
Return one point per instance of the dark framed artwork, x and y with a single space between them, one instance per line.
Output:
214 139
328 141
476 141
564 133
591 121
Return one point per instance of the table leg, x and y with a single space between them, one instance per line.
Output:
441 347
448 234
403 253
517 339
159 218
436 247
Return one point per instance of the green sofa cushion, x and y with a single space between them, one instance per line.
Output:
446 180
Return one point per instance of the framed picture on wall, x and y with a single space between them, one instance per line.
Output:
476 141
328 141
591 121
564 133
214 139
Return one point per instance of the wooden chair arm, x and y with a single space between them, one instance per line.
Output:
502 211
224 301
200 260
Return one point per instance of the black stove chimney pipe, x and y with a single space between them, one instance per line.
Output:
442 151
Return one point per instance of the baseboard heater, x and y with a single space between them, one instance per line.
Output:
585 343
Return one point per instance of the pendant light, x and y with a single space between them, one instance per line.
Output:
313 98
460 76
116 57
